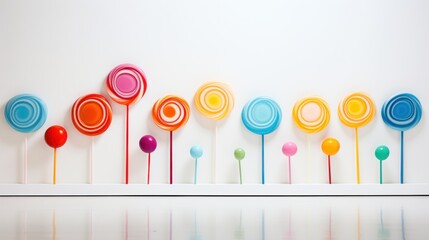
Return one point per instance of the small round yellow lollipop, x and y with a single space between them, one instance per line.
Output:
311 114
356 110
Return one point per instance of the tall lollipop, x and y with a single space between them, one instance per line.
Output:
289 149
402 112
382 153
214 100
170 113
330 147
25 113
311 115
148 144
196 152
356 110
91 115
55 137
261 116
126 84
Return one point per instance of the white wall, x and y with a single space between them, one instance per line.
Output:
61 50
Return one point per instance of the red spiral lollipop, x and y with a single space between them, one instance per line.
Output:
91 114
170 113
126 84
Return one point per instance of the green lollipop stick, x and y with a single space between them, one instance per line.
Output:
239 154
381 153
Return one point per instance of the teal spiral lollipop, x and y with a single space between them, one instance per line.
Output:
25 113
402 112
261 116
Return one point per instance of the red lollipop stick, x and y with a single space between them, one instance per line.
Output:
148 145
55 137
330 146
126 84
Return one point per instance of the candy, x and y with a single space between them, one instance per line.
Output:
311 114
25 113
214 100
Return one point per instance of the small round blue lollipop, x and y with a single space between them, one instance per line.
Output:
25 113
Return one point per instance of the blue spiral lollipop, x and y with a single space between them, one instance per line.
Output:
261 116
25 113
402 112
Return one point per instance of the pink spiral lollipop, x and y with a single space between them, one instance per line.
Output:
126 84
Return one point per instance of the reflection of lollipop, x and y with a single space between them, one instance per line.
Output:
25 113
261 116
402 112
126 84
356 110
311 115
91 115
170 113
214 100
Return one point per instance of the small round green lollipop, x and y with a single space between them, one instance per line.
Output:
382 153
239 154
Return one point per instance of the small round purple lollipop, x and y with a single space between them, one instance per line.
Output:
148 144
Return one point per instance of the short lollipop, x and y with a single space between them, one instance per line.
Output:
330 147
239 154
261 116
170 113
148 144
55 137
196 153
402 112
126 85
25 113
91 115
382 153
214 100
356 110
289 149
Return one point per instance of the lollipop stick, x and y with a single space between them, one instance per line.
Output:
148 168
195 171
55 166
91 162
290 177
402 157
309 165
25 159
357 156
329 169
381 172
171 157
239 169
263 160
126 144
214 154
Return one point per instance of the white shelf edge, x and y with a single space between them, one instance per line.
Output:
214 190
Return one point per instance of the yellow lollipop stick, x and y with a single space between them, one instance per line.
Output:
55 166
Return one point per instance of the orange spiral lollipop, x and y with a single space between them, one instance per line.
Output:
311 114
170 113
214 100
356 110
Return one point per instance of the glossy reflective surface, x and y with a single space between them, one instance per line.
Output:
214 218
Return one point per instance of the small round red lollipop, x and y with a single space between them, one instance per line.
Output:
148 144
55 137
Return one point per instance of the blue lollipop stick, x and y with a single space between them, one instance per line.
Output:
402 112
261 116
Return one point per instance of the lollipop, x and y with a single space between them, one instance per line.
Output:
148 144
196 152
261 116
356 110
330 146
170 113
382 153
55 137
239 154
214 100
311 115
289 149
91 115
126 84
25 113
402 112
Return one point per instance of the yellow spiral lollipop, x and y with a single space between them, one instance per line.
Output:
214 100
356 110
311 114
